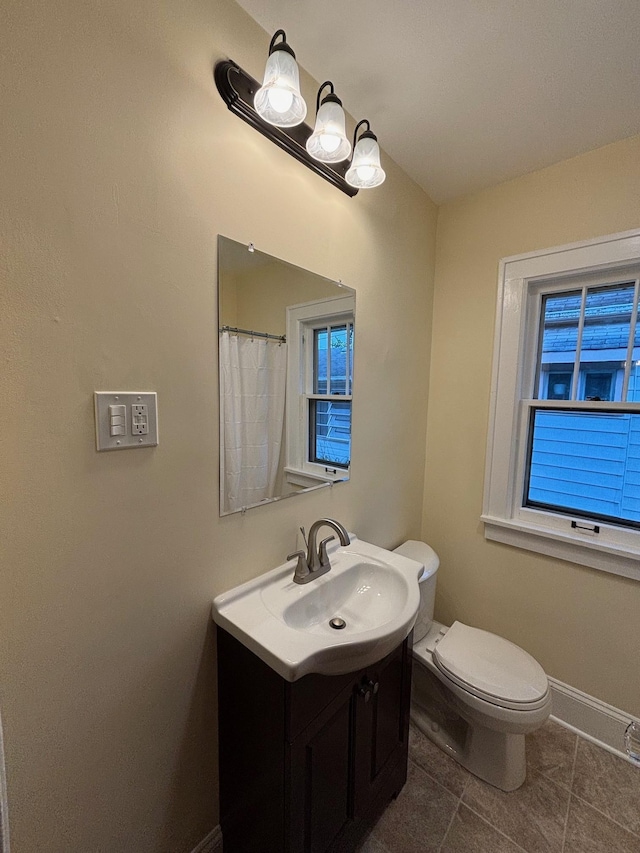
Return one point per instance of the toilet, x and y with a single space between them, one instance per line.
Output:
474 694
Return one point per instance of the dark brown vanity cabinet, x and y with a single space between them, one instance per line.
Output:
305 767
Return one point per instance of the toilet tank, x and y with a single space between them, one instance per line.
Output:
423 553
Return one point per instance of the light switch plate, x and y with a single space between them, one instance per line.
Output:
133 436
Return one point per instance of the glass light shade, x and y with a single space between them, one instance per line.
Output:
328 142
365 170
279 101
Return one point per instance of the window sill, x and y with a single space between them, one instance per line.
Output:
306 479
617 560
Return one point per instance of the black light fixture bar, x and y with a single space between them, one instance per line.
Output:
237 89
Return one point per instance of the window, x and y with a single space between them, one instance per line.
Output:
320 378
329 395
563 458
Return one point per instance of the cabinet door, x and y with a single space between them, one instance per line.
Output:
382 728
251 709
320 779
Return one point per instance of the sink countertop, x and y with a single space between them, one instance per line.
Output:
286 624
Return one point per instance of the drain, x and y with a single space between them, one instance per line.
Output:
337 623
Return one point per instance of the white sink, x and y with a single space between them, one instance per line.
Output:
374 591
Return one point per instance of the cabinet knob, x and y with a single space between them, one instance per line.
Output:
364 691
367 688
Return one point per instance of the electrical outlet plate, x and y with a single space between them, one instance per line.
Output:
141 419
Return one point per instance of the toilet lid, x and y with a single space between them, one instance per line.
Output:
490 666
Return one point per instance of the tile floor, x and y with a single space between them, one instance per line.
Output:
577 798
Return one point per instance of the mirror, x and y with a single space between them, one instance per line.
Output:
286 375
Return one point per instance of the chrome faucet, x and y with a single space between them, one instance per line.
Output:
316 561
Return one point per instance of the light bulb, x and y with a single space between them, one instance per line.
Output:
280 99
365 170
329 142
365 173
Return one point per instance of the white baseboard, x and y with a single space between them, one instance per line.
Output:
590 717
212 843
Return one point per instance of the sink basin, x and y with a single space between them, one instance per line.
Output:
373 593
365 595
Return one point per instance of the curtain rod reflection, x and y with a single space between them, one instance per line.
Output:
236 331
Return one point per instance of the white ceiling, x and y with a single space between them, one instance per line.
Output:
464 94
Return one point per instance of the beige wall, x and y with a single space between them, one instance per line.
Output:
120 165
258 298
581 624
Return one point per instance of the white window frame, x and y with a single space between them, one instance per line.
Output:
301 320
522 280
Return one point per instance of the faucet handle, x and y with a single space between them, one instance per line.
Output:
322 551
302 567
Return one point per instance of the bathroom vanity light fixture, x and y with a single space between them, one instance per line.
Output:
270 109
365 171
278 101
328 142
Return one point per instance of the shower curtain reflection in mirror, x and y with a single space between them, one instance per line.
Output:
252 404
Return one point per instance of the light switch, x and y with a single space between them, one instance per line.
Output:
118 420
126 419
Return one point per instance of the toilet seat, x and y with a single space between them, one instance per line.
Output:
491 668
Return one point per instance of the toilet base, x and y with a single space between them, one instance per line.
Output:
491 749
496 757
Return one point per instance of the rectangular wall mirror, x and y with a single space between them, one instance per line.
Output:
286 345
